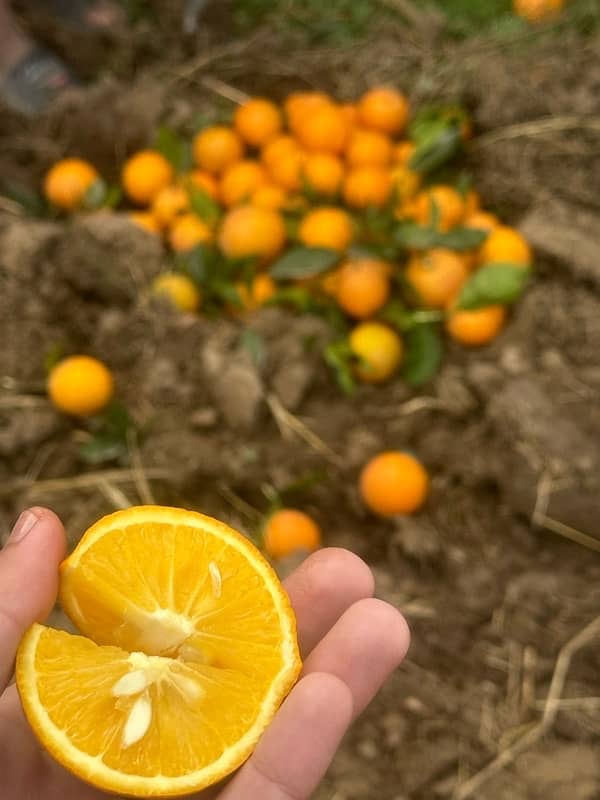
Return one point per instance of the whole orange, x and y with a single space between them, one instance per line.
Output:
363 287
216 148
324 130
278 148
239 182
383 109
394 483
366 187
482 220
436 276
80 385
178 289
286 171
476 327
144 175
289 530
258 121
269 195
248 231
446 201
204 181
300 105
506 244
326 227
406 183
187 232
68 181
323 173
169 203
369 149
378 349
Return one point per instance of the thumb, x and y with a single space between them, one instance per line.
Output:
28 579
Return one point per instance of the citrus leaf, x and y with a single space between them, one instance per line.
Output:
492 284
203 205
423 354
95 196
439 145
461 238
304 262
174 148
415 237
197 264
340 357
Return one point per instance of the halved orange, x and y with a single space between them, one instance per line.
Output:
192 648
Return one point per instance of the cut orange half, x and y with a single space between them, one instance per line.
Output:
189 648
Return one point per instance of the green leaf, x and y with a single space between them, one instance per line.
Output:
197 264
114 195
174 148
255 345
95 197
304 262
415 237
339 356
54 354
108 441
423 354
492 284
461 238
437 146
203 205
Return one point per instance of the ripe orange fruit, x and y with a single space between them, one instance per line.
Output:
350 112
261 289
323 173
472 202
476 327
363 287
379 351
188 649
80 385
406 184
187 232
383 109
367 186
239 182
403 152
326 227
369 149
437 276
324 130
144 175
448 202
145 220
258 121
169 204
506 244
68 181
249 231
482 220
394 483
204 181
537 10
216 148
288 530
300 105
277 149
178 289
269 195
287 170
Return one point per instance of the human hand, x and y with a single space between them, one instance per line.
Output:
350 643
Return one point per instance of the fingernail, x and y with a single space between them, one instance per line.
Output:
23 526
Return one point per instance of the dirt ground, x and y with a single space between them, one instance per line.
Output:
488 575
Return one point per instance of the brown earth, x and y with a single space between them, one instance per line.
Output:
487 576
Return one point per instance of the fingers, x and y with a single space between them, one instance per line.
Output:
294 753
28 579
362 649
322 588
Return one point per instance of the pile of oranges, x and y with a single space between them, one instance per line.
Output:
319 196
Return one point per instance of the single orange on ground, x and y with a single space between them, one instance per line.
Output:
178 289
192 648
68 181
378 350
403 152
363 287
80 385
257 293
269 195
477 326
324 130
482 220
506 244
383 109
240 180
144 175
437 276
216 148
249 231
537 10
323 173
394 483
170 203
442 200
258 121
187 232
204 181
327 227
366 187
145 220
289 530
369 149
